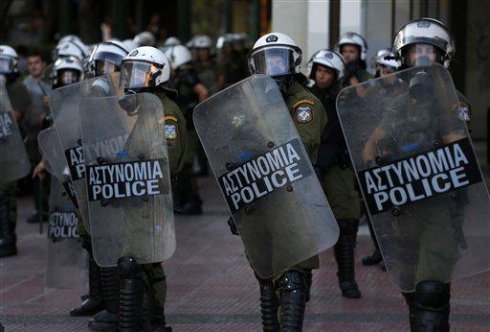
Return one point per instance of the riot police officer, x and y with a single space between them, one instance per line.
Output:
327 71
68 71
102 299
232 62
353 48
278 56
147 69
423 42
144 38
106 58
190 92
384 64
206 67
17 93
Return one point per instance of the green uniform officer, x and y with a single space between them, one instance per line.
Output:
413 120
102 298
190 92
277 55
353 47
336 175
17 93
384 65
147 69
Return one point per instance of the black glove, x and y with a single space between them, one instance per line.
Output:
233 228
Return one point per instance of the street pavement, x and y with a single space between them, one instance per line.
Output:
212 288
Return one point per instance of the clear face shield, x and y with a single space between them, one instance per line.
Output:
7 65
68 76
137 74
422 55
107 63
272 62
105 67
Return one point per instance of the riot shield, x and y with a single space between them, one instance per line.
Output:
14 162
265 175
128 179
420 177
65 258
65 105
55 162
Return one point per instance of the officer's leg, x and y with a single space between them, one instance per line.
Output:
92 303
410 299
107 319
131 294
375 257
269 303
190 200
432 308
344 255
202 161
8 219
154 301
291 287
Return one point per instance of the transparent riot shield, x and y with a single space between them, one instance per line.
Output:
65 258
65 105
420 177
265 175
128 179
55 162
14 162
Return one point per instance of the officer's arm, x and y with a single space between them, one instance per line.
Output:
201 92
310 120
449 138
176 136
369 152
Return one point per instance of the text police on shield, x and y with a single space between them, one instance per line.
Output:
264 174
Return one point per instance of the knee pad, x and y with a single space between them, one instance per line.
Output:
348 227
128 267
432 294
291 281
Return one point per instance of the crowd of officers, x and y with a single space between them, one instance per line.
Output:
199 69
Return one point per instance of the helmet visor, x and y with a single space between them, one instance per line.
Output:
7 65
105 67
422 55
136 74
272 62
68 76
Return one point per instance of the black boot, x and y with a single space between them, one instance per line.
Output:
191 206
154 313
131 294
410 299
93 303
344 255
269 303
308 280
107 319
292 299
432 307
8 240
375 258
